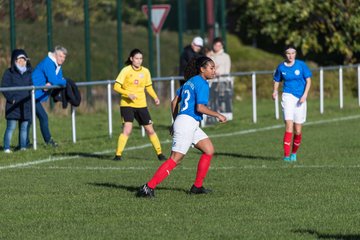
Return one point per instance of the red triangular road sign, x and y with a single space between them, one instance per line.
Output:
159 13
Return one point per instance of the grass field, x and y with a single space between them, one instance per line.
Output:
77 192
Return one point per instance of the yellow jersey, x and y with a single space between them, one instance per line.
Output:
131 81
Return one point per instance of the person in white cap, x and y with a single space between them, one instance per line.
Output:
189 52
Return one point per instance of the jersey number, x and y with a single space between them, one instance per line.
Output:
186 104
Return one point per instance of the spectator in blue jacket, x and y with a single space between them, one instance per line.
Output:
18 103
48 72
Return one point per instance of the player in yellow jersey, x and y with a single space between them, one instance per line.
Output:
131 83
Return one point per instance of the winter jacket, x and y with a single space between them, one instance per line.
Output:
69 94
18 103
187 54
222 62
47 71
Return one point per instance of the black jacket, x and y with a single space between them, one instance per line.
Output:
18 103
187 54
69 94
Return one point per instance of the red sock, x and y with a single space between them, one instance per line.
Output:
296 144
287 143
162 172
202 169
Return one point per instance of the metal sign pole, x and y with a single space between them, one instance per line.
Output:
158 54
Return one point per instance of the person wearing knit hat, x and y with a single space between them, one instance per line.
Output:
190 51
18 103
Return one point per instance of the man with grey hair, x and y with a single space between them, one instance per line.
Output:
48 72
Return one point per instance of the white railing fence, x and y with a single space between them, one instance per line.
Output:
172 79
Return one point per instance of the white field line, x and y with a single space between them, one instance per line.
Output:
251 167
26 164
54 159
243 132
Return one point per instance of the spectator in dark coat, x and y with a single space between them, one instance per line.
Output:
189 52
18 103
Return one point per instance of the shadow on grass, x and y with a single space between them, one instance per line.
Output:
238 155
150 158
88 155
319 235
132 188
109 157
91 138
87 138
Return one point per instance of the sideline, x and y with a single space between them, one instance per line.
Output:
243 132
251 167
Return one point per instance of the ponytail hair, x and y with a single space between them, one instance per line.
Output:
132 54
190 69
194 66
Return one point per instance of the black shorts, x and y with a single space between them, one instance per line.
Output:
141 115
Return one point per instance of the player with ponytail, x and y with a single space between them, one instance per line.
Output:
188 107
131 83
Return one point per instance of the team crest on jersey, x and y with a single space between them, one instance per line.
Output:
297 72
141 75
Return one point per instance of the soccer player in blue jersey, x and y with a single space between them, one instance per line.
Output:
187 109
296 78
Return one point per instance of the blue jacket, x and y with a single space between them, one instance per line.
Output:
45 72
18 103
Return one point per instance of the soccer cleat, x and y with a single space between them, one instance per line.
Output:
117 158
200 190
287 159
52 143
146 192
293 157
161 157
